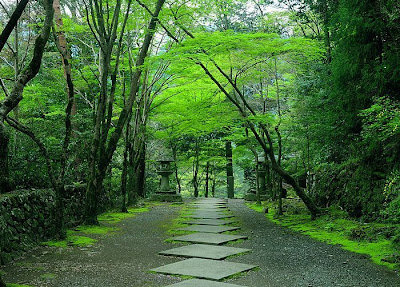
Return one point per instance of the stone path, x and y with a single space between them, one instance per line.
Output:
204 258
123 258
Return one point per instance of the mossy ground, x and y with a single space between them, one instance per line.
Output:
18 285
336 228
115 216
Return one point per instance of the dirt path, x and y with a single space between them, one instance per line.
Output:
289 259
117 260
286 259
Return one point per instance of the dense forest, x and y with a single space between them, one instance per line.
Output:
94 92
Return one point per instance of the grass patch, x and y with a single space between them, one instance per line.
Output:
18 285
115 217
336 228
93 229
72 240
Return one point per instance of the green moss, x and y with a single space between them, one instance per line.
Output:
72 240
115 217
18 285
81 240
93 229
334 228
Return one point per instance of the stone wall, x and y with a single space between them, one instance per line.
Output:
27 217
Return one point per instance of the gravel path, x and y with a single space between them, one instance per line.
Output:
117 260
289 259
286 259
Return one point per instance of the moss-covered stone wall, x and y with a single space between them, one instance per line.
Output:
27 217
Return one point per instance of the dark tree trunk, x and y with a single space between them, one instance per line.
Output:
196 169
131 186
178 181
12 23
141 172
207 178
229 169
4 169
124 175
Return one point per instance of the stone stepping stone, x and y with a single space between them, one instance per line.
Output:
215 210
209 228
210 221
202 283
208 238
204 268
208 215
208 206
210 211
204 251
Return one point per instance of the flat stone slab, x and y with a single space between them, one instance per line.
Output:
204 268
202 283
208 238
210 221
209 215
204 251
214 210
209 228
220 206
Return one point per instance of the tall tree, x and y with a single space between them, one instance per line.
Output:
104 143
16 94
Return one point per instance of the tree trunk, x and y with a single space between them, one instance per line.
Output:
131 185
103 143
178 181
12 23
196 169
229 169
124 175
141 172
4 169
207 178
214 179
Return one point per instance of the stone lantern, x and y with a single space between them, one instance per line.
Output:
165 171
165 192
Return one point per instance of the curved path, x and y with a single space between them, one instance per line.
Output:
285 258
